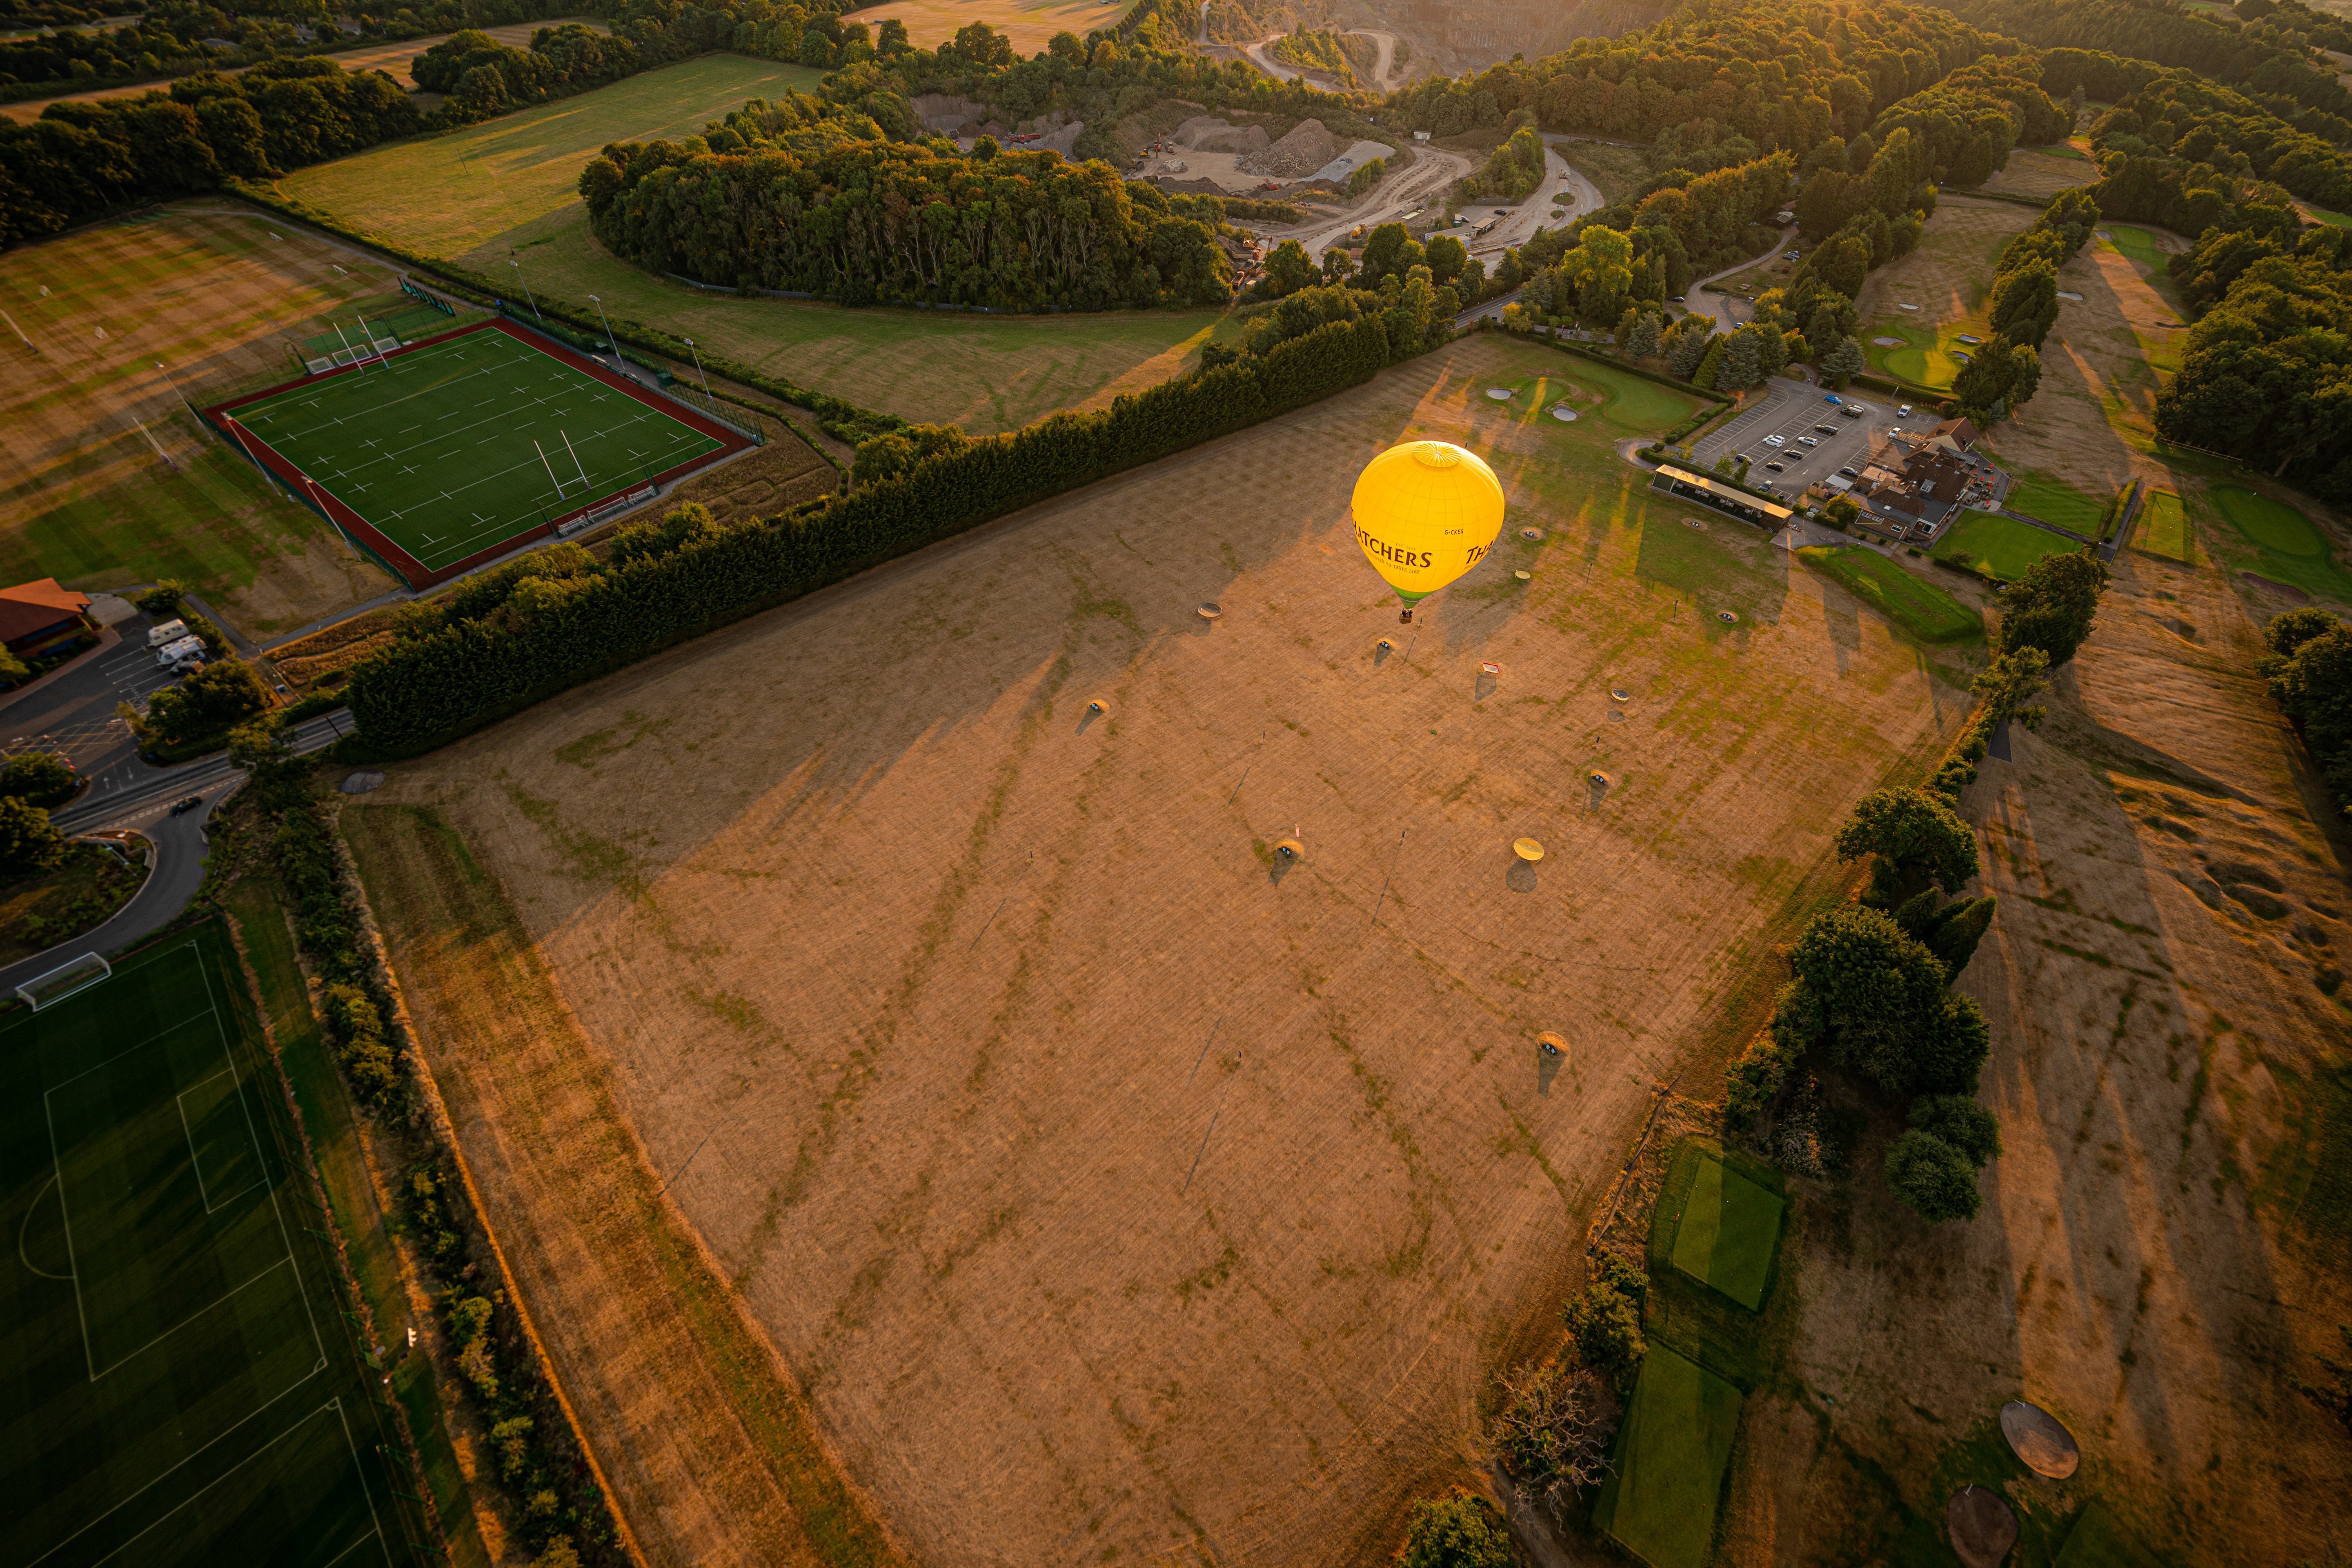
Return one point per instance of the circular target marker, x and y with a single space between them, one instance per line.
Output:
1211 610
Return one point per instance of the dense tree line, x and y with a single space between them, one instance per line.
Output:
1783 78
2168 34
2265 374
2309 666
2177 134
79 160
867 220
509 638
2004 370
180 36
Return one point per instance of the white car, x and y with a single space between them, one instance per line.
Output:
1904 412
1776 440
1809 440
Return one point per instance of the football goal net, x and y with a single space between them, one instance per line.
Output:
66 980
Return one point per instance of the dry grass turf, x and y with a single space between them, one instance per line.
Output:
1949 277
1073 1149
107 480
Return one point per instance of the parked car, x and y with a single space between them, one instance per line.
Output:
1678 298
1850 471
1776 440
1777 467
1793 256
1831 397
1826 429
1854 411
1904 412
187 804
1501 212
1809 440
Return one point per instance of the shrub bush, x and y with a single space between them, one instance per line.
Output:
40 778
1931 1178
1456 1530
1605 1321
29 843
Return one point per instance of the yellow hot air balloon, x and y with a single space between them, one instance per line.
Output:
1426 511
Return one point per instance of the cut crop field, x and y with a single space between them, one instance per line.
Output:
1927 610
507 191
1947 277
442 454
1996 545
181 1386
1071 1146
1029 24
108 480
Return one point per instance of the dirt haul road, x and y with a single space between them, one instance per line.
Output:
1110 1183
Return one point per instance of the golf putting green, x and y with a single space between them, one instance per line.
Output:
1659 1501
1726 1233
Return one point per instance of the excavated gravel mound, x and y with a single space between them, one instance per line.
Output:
1302 151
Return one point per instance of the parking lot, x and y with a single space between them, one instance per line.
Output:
1795 412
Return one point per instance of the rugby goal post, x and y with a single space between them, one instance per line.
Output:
67 979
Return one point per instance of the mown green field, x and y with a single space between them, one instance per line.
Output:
505 192
987 373
1726 1233
1630 403
1660 1499
1998 546
2162 528
2055 501
2276 541
447 195
1909 600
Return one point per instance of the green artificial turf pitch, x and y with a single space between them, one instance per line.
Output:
176 1383
1659 1501
1726 1233
451 450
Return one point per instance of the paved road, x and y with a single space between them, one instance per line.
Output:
1562 187
1719 306
73 713
205 775
1280 72
178 873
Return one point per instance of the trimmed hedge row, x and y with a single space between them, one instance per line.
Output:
424 694
842 419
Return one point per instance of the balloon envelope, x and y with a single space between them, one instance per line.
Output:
1425 513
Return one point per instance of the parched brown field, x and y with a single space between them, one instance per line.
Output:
87 494
2165 1241
1112 1189
1949 274
2031 173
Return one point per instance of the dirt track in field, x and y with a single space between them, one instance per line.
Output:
1106 1181
90 418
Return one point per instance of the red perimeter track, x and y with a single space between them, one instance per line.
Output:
407 565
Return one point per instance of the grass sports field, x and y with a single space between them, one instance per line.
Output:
2281 543
180 1385
1728 1228
447 451
105 478
1999 546
1629 403
1913 601
1659 1501
2162 528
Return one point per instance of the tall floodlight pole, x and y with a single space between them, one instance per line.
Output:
614 343
700 372
526 284
175 386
